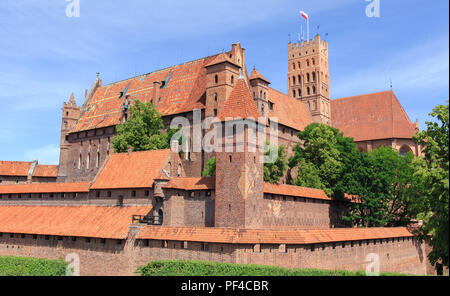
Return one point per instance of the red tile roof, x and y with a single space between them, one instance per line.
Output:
372 116
269 236
42 170
289 111
222 58
183 92
256 75
203 183
45 188
14 168
291 190
240 103
134 170
81 221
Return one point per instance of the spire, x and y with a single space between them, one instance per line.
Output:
256 75
72 100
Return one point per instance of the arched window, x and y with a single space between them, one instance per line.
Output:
230 158
260 93
307 77
313 61
97 164
264 95
299 79
88 164
314 89
308 91
404 149
299 92
79 161
307 63
314 76
232 79
299 65
293 66
216 78
293 80
293 93
215 97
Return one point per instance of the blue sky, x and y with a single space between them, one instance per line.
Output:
45 56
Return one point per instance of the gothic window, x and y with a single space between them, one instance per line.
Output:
293 66
307 63
293 80
293 93
215 97
299 65
307 77
88 164
314 89
79 162
264 95
179 170
216 79
299 92
97 164
314 76
232 79
308 91
299 79
313 61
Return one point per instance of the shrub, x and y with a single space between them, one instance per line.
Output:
18 266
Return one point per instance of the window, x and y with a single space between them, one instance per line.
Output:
314 89
293 66
232 79
270 105
307 61
216 79
97 194
314 76
215 97
79 162
299 79
34 236
307 77
88 240
293 93
133 193
98 159
230 158
308 91
108 194
103 241
313 61
147 193
293 80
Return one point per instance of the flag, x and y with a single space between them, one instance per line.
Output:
304 15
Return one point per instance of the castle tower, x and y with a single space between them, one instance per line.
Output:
221 75
260 87
309 77
239 167
70 114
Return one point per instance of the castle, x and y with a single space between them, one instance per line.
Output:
117 211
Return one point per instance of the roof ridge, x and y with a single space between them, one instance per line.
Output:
367 94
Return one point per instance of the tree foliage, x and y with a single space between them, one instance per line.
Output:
210 169
274 171
433 174
142 130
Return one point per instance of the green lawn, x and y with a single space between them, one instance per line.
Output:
18 266
206 268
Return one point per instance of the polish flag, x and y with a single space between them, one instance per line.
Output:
304 15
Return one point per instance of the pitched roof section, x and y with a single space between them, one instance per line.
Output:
203 183
81 221
45 188
269 236
291 190
183 91
371 117
289 111
14 168
43 170
256 75
240 103
134 170
222 58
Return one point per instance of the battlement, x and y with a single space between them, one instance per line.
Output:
303 47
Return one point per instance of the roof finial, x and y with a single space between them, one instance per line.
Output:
98 75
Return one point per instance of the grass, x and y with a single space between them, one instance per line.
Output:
206 268
19 266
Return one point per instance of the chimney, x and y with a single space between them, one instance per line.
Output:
156 86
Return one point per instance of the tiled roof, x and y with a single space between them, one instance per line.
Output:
222 58
256 75
45 188
203 183
289 111
291 190
184 88
81 221
240 103
372 116
134 170
269 236
14 168
42 170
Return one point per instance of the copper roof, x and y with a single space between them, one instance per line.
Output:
239 104
81 221
269 236
292 190
256 75
371 116
133 170
45 188
183 90
289 111
203 183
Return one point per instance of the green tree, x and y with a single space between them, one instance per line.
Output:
433 174
274 171
210 169
142 130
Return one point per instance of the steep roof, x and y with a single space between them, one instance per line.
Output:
291 190
45 188
371 116
256 75
183 90
202 183
289 111
81 221
269 236
240 103
222 58
133 170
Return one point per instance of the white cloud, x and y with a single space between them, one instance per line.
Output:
46 155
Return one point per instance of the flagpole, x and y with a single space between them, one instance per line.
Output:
307 27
